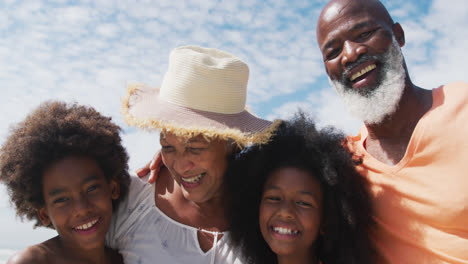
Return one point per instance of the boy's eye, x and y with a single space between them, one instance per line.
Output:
92 188
60 200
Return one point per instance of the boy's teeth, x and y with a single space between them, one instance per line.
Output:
193 179
285 231
87 225
362 72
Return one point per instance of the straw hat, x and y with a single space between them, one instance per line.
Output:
203 92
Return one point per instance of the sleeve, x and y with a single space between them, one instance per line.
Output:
124 221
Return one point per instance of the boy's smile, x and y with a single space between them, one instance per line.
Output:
78 201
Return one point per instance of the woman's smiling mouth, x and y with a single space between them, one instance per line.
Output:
193 179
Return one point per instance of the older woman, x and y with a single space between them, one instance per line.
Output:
200 114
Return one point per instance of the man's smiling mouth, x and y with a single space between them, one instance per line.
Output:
362 72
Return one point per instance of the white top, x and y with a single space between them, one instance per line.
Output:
143 234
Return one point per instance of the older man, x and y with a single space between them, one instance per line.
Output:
413 140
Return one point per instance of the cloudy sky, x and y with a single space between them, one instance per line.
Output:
87 51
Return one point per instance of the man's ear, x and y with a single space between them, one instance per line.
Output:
44 216
115 189
399 34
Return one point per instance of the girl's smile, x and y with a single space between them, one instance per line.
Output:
291 212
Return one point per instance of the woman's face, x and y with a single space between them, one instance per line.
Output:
291 212
196 164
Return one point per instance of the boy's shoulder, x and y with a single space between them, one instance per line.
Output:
39 253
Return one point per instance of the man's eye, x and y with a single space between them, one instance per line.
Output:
366 34
332 54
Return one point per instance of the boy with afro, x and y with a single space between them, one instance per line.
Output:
65 168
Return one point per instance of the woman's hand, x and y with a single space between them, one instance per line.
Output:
153 167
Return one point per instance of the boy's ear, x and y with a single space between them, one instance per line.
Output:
115 189
44 216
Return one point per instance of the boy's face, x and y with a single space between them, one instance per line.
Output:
291 212
78 201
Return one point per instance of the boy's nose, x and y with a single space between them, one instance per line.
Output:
81 206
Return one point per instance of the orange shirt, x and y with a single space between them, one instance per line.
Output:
421 203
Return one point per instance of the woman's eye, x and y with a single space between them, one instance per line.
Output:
166 149
195 150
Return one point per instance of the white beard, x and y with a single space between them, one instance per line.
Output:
374 106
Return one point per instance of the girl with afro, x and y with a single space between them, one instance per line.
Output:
299 199
65 168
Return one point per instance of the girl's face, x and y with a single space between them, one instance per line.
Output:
78 201
291 212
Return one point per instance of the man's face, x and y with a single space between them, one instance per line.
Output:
361 57
351 40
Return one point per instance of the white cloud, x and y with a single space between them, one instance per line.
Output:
107 30
5 254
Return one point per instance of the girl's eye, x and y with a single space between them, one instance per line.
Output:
304 204
60 200
272 198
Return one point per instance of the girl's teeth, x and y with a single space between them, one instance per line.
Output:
87 225
193 179
285 231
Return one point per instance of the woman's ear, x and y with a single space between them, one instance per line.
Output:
44 216
115 189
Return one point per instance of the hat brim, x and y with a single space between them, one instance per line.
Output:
142 107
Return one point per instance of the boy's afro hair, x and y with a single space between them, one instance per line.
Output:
50 133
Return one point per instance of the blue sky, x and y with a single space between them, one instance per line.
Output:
87 51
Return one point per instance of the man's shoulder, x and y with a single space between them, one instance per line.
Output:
452 96
456 89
